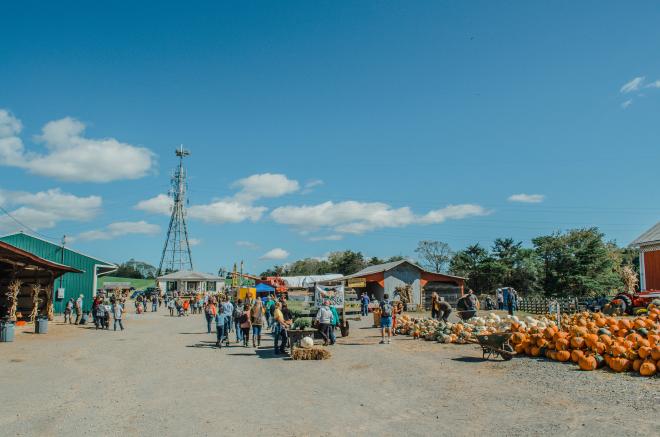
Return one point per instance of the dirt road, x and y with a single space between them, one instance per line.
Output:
163 376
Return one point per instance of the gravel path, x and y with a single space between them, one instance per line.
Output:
163 376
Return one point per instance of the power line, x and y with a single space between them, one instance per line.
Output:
20 223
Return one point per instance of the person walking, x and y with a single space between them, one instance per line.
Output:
117 311
333 324
257 319
228 310
280 327
270 310
209 312
99 315
324 321
79 306
386 311
237 316
220 324
171 306
154 303
68 310
245 323
364 304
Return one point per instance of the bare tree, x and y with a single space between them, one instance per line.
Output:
434 255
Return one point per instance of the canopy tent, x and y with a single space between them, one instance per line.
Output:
264 288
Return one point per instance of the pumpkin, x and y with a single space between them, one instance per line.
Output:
576 355
644 352
648 368
655 352
619 364
563 355
637 364
518 338
535 351
617 350
577 342
587 362
306 342
561 344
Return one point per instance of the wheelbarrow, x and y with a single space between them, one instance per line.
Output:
496 344
466 314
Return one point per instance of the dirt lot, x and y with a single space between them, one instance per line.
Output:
163 376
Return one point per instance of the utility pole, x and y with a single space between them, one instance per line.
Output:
176 252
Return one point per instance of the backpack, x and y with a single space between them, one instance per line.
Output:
236 314
386 309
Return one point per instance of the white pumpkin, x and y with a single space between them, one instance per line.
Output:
306 342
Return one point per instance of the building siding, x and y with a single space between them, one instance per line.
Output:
74 284
402 275
652 270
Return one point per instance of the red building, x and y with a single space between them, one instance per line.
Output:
649 258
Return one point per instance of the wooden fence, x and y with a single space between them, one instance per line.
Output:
543 305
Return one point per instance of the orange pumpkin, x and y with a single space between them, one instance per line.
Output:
644 352
619 364
577 342
518 338
587 362
637 364
535 351
563 355
648 368
561 344
655 352
576 355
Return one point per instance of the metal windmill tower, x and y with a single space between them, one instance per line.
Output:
176 252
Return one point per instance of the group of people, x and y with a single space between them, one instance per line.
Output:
74 306
248 317
103 310
142 302
507 299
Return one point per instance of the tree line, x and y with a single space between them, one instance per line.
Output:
578 262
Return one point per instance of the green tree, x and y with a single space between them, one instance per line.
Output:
578 263
346 262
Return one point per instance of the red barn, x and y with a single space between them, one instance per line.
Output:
649 258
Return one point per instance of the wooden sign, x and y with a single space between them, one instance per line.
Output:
357 283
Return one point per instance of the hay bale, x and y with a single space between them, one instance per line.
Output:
313 353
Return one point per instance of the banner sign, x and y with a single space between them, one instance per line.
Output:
333 293
357 283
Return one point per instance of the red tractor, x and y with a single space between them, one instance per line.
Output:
626 302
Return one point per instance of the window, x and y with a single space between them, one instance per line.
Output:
210 286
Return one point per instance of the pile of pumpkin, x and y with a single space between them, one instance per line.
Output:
593 340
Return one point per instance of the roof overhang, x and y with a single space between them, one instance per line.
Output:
27 261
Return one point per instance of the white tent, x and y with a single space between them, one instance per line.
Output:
308 281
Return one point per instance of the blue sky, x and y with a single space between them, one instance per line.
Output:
425 116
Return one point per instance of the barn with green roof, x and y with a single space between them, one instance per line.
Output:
73 284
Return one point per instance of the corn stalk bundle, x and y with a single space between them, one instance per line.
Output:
12 298
629 278
36 289
49 300
313 353
405 293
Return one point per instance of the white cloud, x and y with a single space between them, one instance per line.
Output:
633 85
45 209
275 254
310 185
70 156
161 204
248 244
264 185
194 241
119 229
351 217
627 103
332 237
526 198
654 84
226 211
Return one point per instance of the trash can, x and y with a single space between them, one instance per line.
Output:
376 314
41 326
6 331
